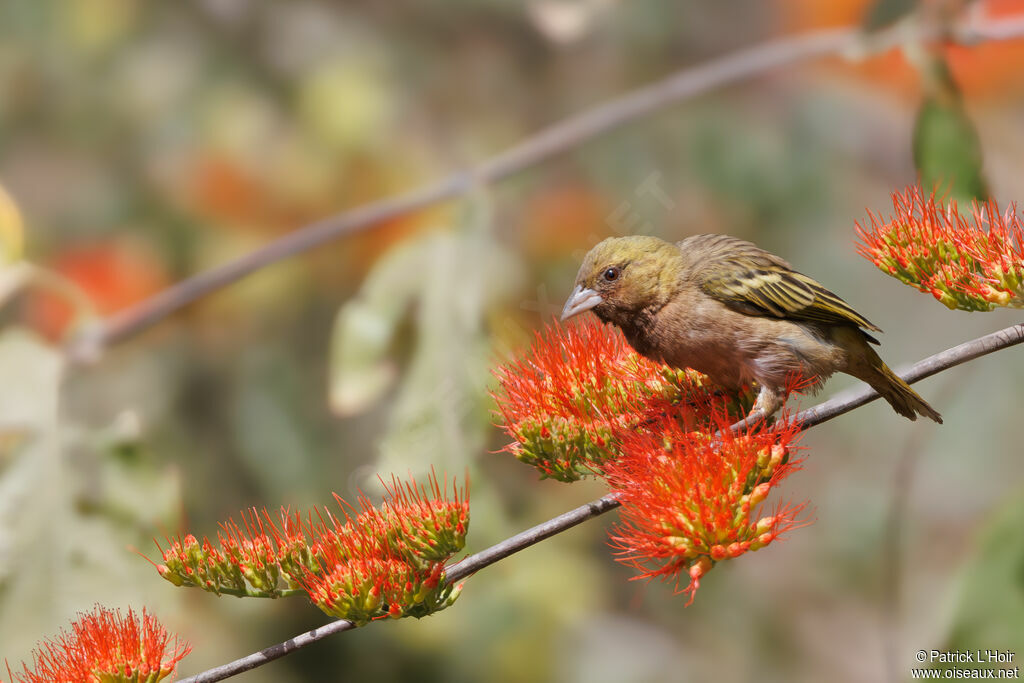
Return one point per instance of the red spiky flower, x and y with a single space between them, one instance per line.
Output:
106 646
360 581
424 526
689 498
366 562
973 262
570 399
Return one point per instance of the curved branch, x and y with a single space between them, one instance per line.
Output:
823 412
547 143
834 407
219 673
543 145
944 360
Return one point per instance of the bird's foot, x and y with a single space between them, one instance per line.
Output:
768 402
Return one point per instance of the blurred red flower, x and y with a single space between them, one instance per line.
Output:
112 275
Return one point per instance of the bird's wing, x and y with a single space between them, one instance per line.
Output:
753 281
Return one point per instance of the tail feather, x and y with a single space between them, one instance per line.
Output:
898 393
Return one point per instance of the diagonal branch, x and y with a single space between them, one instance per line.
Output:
834 407
823 412
549 142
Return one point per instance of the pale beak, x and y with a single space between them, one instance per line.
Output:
580 300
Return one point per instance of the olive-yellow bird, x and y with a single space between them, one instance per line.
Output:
735 312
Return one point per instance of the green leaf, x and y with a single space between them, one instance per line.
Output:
436 290
440 413
885 13
361 367
947 151
69 506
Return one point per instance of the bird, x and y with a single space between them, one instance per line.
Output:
735 312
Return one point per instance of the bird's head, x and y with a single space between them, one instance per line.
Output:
622 276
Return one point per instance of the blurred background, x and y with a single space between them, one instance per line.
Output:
144 142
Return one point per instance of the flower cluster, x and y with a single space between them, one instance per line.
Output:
365 563
583 402
580 388
972 262
689 498
250 559
106 646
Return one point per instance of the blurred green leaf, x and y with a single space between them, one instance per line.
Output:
68 511
947 150
884 13
990 611
449 280
32 508
440 415
364 329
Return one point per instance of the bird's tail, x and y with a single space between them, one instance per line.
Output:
898 393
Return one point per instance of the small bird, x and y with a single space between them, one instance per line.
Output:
737 313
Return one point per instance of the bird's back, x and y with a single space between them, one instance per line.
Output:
756 282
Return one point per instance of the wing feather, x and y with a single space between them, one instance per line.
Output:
755 282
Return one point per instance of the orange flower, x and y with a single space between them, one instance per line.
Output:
360 587
688 498
360 565
991 69
973 262
105 646
568 402
112 276
424 526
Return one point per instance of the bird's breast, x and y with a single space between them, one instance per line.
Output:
732 348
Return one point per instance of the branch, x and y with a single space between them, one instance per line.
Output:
549 142
834 407
219 673
846 401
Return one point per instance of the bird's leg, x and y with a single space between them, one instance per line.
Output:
768 402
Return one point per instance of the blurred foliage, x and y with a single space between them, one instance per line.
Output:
143 142
442 284
989 614
884 13
66 520
947 150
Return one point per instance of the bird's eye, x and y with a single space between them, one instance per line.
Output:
612 274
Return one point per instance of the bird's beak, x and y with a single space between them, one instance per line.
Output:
580 300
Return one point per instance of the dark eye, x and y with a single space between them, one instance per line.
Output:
612 274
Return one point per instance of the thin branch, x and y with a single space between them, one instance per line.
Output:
834 407
549 142
858 396
531 536
219 673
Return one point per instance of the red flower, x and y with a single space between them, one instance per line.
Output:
187 562
688 499
359 586
424 526
252 549
363 564
105 646
568 402
112 276
973 262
